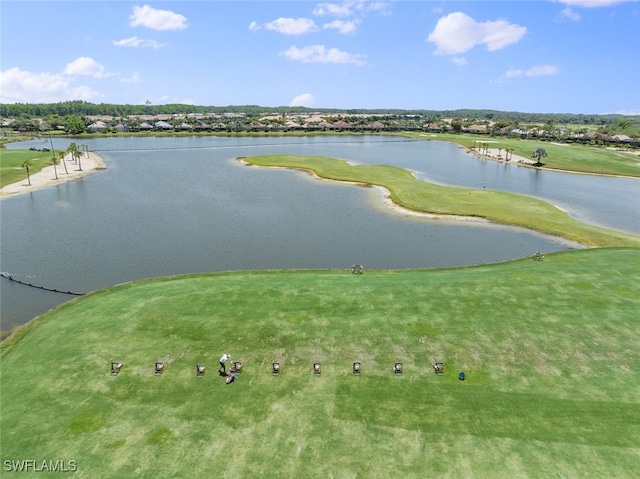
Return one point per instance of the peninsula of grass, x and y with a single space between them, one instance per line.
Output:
549 350
421 196
571 157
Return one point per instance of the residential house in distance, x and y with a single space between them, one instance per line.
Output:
475 129
162 125
97 127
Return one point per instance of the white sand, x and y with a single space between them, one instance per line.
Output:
385 193
500 155
47 176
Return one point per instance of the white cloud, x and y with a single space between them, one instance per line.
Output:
321 54
306 99
137 42
538 70
334 9
383 8
568 15
459 33
135 78
342 26
156 19
20 86
287 26
85 66
460 61
346 9
593 3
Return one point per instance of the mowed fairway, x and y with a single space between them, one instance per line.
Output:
551 352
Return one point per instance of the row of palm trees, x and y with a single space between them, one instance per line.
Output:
483 149
76 156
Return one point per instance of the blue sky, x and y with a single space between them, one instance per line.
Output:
547 56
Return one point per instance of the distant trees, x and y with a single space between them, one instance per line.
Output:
73 118
25 125
74 125
623 126
59 113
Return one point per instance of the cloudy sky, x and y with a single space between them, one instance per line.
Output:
574 56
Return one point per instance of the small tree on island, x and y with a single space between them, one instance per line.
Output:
538 155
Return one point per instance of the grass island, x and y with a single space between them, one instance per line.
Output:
421 196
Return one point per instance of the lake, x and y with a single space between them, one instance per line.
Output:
166 206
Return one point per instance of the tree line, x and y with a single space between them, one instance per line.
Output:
83 108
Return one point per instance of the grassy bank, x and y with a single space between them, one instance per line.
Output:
501 207
11 169
549 348
565 157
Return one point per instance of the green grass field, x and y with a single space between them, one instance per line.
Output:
11 169
418 195
550 350
565 157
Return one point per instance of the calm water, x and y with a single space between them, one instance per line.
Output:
169 206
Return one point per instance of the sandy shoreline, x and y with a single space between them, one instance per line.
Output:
47 176
386 194
500 155
432 216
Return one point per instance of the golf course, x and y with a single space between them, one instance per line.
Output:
549 349
539 358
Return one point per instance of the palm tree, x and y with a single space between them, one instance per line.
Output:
537 155
79 153
64 163
54 162
75 154
508 153
26 164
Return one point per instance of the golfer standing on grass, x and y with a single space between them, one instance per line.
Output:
223 360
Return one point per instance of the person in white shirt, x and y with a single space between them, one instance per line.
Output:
223 360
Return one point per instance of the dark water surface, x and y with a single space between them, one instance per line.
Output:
167 206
